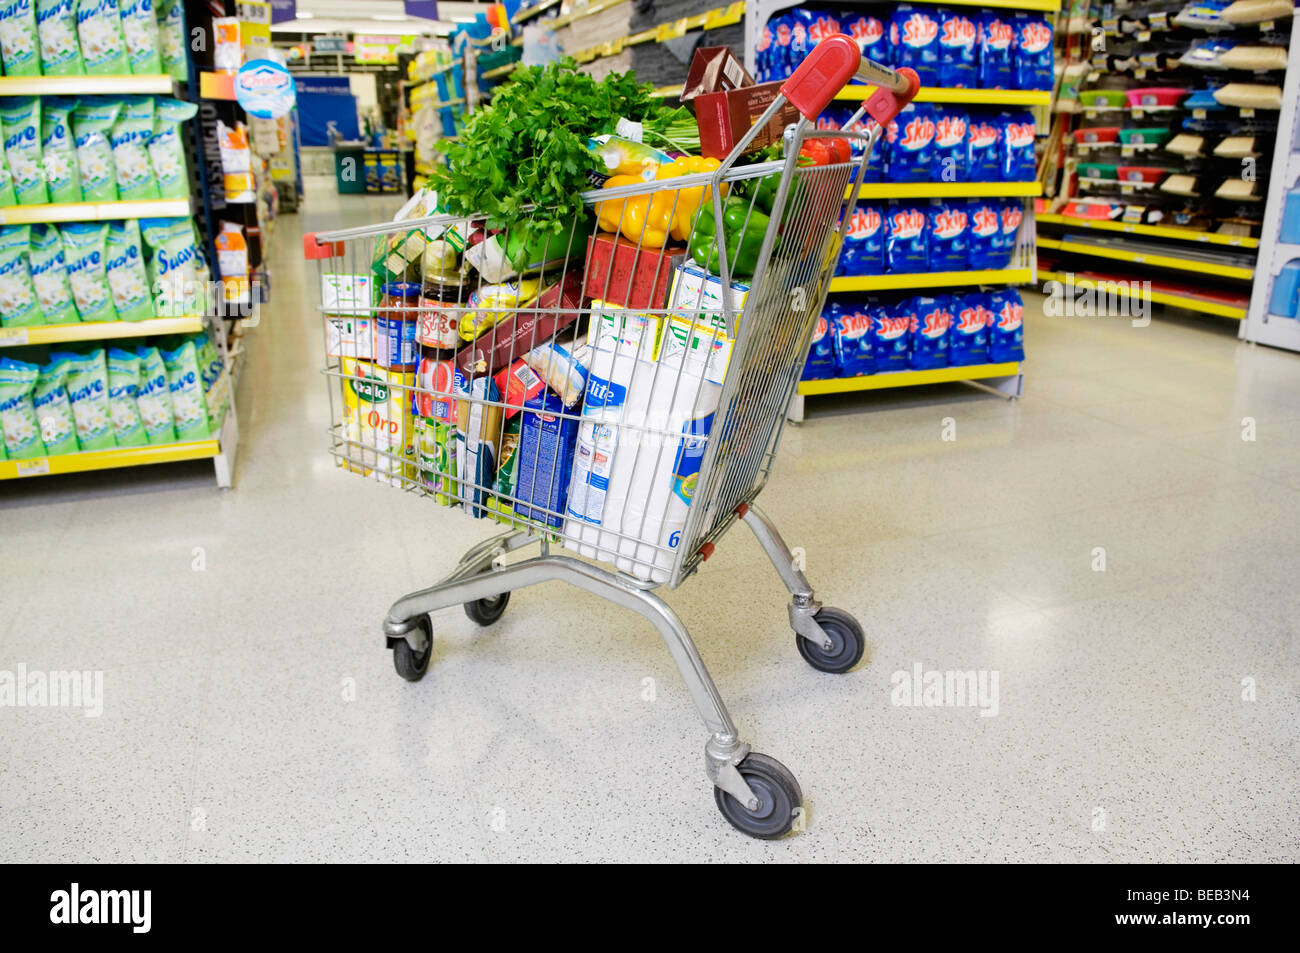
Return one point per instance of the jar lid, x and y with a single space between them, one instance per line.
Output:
402 289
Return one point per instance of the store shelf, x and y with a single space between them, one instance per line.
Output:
98 331
84 85
975 97
1165 297
1153 259
93 211
939 190
932 279
109 459
500 71
523 16
1155 231
938 375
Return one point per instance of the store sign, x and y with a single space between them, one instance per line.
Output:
282 10
380 50
330 44
426 9
265 89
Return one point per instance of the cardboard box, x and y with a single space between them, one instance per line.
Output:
555 309
697 296
724 117
621 274
714 69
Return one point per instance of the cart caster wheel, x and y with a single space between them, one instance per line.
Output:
487 611
847 642
412 665
778 798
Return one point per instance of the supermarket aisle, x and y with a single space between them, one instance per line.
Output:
1110 547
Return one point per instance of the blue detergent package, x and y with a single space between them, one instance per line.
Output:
763 52
851 331
544 459
907 247
1010 215
930 321
1006 332
891 334
821 351
996 51
1017 149
779 56
822 25
984 217
968 338
869 33
876 164
951 145
958 50
909 144
864 243
1033 50
949 235
914 41
984 148
800 41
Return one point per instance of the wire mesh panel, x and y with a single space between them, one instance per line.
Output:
616 382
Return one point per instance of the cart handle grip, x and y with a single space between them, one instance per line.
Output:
829 67
313 248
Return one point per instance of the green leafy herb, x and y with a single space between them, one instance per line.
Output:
529 147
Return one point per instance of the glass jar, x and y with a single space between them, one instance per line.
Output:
395 324
439 317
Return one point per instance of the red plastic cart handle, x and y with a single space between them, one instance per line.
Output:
313 249
828 69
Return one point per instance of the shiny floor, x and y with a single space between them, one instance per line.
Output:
1109 548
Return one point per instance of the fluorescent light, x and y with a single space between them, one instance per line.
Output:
305 16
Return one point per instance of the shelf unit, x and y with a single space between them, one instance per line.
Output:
1165 296
1154 231
1152 259
93 211
1009 371
98 331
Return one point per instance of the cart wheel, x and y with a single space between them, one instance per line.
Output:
412 665
778 798
487 611
847 642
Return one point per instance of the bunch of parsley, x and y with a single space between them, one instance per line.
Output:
529 147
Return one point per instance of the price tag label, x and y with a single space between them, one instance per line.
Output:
1126 150
1144 36
1140 72
38 467
1125 188
1267 25
1138 112
1248 114
12 337
1159 21
1198 113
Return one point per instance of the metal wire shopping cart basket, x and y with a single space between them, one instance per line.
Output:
614 396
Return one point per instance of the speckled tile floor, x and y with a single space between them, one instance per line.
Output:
1145 712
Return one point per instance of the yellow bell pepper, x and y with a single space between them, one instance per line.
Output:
688 199
650 219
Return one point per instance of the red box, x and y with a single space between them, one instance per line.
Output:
723 118
637 279
555 309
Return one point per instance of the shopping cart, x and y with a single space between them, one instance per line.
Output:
610 395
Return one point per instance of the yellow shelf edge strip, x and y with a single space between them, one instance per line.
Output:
87 460
932 279
1158 231
1159 297
93 211
84 85
938 375
938 190
98 330
1156 261
938 94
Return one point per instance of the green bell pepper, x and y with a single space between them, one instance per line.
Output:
743 229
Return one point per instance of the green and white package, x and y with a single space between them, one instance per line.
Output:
99 28
123 385
56 28
59 150
188 408
153 397
83 253
18 304
130 137
21 119
171 37
216 383
7 196
140 30
54 410
88 394
167 151
22 431
91 122
173 266
124 263
50 276
18 43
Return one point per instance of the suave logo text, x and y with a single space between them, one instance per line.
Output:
920 688
103 907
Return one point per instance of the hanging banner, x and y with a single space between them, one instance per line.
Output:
265 89
427 9
282 10
330 44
